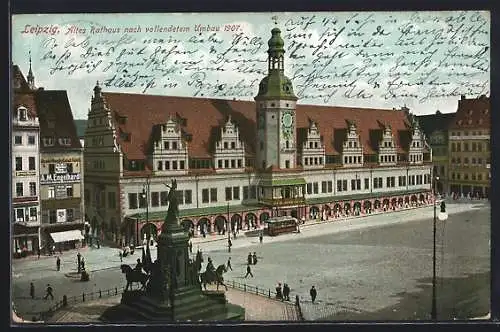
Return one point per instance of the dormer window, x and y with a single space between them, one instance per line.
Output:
22 113
48 141
66 141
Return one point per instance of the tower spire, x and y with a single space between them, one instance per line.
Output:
31 77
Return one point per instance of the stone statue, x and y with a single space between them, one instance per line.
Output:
173 206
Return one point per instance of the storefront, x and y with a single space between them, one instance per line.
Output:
24 241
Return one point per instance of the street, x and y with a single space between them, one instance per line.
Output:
376 267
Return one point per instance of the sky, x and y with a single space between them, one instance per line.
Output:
422 60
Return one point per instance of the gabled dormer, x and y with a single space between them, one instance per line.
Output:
352 149
387 153
23 117
416 150
229 153
313 148
170 150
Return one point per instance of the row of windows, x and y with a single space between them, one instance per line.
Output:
352 160
387 158
230 163
139 200
168 145
31 163
175 164
18 140
26 214
313 145
474 146
388 144
20 189
415 144
466 133
68 216
232 193
474 161
313 161
469 176
416 157
249 192
63 141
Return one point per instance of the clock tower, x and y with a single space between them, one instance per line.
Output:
276 103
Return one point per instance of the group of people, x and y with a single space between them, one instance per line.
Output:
283 293
49 292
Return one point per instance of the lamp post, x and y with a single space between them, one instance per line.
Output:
442 216
145 195
228 228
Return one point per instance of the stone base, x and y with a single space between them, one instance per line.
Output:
190 304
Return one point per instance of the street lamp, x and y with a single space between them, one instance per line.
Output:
442 216
228 228
145 195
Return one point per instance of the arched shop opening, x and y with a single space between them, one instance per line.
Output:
203 225
263 217
347 208
236 222
149 231
250 219
367 205
187 224
313 212
220 222
376 204
357 208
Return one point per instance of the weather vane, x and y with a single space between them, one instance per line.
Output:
275 19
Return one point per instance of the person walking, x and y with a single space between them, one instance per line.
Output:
250 258
249 271
286 292
58 263
254 258
120 253
38 252
32 290
79 260
279 294
313 294
49 292
229 267
261 237
229 245
83 263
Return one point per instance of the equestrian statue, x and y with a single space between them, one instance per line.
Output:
212 275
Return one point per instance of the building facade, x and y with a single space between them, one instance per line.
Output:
469 146
25 167
435 127
238 163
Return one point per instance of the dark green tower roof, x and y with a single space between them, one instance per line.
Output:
276 85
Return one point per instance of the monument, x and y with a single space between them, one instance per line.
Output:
173 291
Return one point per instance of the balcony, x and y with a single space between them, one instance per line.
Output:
283 201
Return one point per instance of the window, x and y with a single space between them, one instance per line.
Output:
323 186
32 164
19 215
19 189
236 192
367 183
240 163
52 216
344 185
480 161
479 177
33 214
174 164
219 163
474 146
245 192
226 163
353 184
459 147
111 200
51 192
375 183
31 140
287 163
142 200
166 145
309 188
160 165
188 196
480 147
167 164
180 196
174 145
204 196
330 186
233 145
155 199
225 145
52 168
32 188
339 185
70 215
315 187
233 163
213 194
132 201
19 163
181 164
229 194
18 140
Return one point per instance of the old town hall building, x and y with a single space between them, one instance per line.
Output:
238 163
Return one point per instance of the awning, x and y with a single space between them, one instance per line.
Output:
67 236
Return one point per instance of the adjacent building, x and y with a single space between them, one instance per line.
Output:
238 163
435 127
47 155
25 167
469 148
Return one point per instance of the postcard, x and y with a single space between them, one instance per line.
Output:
287 166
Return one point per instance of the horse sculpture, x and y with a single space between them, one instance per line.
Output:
209 277
134 276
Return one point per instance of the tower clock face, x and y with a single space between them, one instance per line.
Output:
287 120
287 125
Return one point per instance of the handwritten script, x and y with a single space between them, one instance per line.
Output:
419 56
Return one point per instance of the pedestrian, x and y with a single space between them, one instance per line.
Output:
83 263
229 245
53 249
313 294
261 237
250 258
254 258
279 294
32 290
58 263
286 292
249 271
38 252
229 267
49 292
121 255
79 260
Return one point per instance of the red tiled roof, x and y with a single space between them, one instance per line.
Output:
26 99
472 113
204 116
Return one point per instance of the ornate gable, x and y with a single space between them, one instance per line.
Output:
229 154
313 148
